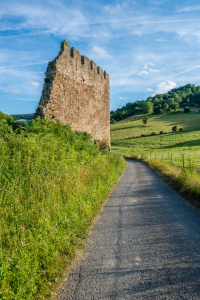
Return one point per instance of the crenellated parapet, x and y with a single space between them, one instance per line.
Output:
88 64
77 91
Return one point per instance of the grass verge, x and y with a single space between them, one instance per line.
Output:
185 183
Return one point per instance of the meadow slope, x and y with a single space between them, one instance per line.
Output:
127 134
174 155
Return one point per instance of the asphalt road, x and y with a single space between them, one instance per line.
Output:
144 245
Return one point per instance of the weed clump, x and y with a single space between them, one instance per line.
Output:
102 146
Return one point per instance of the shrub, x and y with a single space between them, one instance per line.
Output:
4 117
102 146
142 135
47 80
16 126
112 121
180 129
153 133
187 109
161 132
5 129
174 128
144 120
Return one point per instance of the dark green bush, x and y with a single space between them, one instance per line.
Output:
102 146
47 80
187 109
174 128
112 121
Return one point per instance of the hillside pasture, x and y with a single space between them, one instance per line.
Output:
174 155
131 134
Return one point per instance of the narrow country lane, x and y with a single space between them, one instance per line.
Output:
144 245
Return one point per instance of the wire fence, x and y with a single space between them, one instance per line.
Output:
188 160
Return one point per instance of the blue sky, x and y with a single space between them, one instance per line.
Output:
146 46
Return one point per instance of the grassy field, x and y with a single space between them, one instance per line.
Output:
23 118
127 134
175 156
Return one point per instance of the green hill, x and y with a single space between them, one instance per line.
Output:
185 96
131 134
25 118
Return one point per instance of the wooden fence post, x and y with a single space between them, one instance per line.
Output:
190 165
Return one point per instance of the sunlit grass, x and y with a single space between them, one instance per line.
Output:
186 181
127 134
53 182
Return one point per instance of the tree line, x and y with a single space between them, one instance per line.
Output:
185 97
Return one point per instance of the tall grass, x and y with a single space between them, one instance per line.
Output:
185 182
52 184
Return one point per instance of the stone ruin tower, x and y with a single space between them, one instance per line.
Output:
77 92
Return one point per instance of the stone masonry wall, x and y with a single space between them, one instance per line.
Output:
76 91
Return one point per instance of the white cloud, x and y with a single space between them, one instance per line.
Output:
160 40
100 52
147 70
33 83
153 71
123 98
149 90
190 8
15 91
143 73
166 86
147 65
113 9
56 17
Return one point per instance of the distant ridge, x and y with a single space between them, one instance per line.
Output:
184 96
28 118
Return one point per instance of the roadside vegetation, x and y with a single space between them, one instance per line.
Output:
53 182
185 180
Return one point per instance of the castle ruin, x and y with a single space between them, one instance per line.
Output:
77 92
